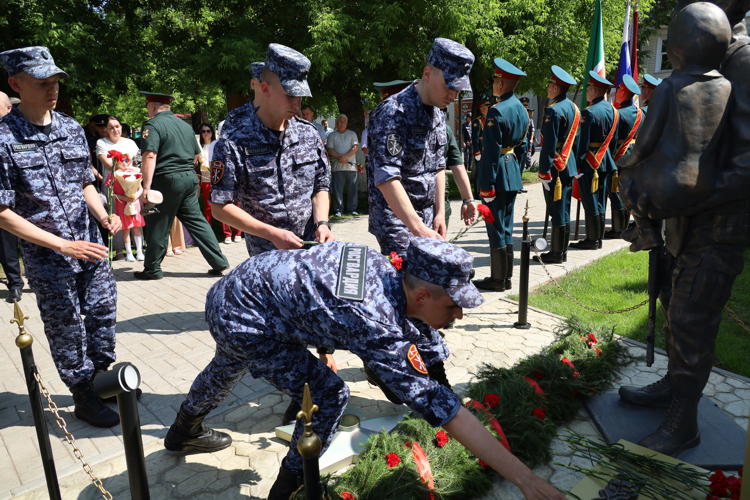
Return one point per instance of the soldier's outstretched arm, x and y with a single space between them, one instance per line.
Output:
231 214
14 223
321 201
477 439
439 224
396 197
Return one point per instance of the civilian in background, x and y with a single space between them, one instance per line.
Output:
308 114
342 146
126 131
326 128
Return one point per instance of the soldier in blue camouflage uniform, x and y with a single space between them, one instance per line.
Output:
267 310
631 120
595 159
556 172
500 180
281 183
647 87
47 200
406 138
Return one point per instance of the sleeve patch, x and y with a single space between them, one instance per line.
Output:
394 144
416 359
145 133
217 171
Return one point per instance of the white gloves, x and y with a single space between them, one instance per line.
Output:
546 183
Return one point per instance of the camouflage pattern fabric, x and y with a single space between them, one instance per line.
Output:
35 61
291 67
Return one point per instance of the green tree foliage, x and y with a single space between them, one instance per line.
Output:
201 51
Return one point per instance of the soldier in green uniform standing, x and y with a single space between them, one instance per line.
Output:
500 175
648 86
557 161
477 127
597 143
630 121
169 151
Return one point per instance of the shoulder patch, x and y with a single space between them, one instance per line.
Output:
490 122
394 143
352 271
546 119
145 133
217 171
415 359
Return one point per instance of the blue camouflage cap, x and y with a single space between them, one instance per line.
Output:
454 60
256 69
650 81
561 77
598 80
291 67
446 265
35 61
630 85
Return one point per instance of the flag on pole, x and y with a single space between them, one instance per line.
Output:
595 59
634 44
623 67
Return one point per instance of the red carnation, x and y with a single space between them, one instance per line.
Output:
347 496
539 413
598 351
734 484
592 339
392 460
533 384
486 213
570 364
396 260
538 375
482 462
442 438
116 155
492 400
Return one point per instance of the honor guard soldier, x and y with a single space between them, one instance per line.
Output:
528 149
407 137
597 142
557 161
273 163
630 121
262 320
169 154
46 196
648 86
477 128
499 177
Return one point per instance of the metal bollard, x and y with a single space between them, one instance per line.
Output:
523 284
23 342
122 381
309 446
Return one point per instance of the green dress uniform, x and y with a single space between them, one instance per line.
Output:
597 142
631 119
500 176
559 136
452 159
174 176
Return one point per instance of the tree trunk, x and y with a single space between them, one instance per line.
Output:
349 101
235 100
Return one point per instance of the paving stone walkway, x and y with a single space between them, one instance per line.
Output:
161 330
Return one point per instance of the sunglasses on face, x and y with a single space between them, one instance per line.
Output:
205 131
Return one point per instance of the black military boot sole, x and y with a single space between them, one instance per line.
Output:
490 285
550 258
585 245
188 433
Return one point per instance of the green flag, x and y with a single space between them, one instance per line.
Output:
595 59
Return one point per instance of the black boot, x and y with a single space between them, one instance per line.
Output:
509 269
592 235
619 223
373 378
437 373
679 430
287 482
90 408
290 415
656 395
555 255
602 227
498 263
189 434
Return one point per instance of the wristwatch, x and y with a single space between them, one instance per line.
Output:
470 200
321 223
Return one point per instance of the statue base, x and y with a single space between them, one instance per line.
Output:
722 439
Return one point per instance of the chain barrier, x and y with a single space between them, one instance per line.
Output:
619 311
70 438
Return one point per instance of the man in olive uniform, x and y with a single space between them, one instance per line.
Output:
630 121
557 161
596 146
169 152
647 87
500 174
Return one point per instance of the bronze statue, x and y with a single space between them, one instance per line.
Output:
707 230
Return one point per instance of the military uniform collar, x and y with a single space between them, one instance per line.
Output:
30 133
165 113
560 98
597 100
504 97
291 135
626 103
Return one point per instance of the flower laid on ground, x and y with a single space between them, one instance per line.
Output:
483 464
722 486
392 460
441 438
570 364
492 400
534 384
538 375
347 496
396 260
539 413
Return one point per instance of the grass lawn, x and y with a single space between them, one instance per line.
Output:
620 280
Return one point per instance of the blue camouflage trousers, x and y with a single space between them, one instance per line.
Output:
397 236
79 314
287 367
